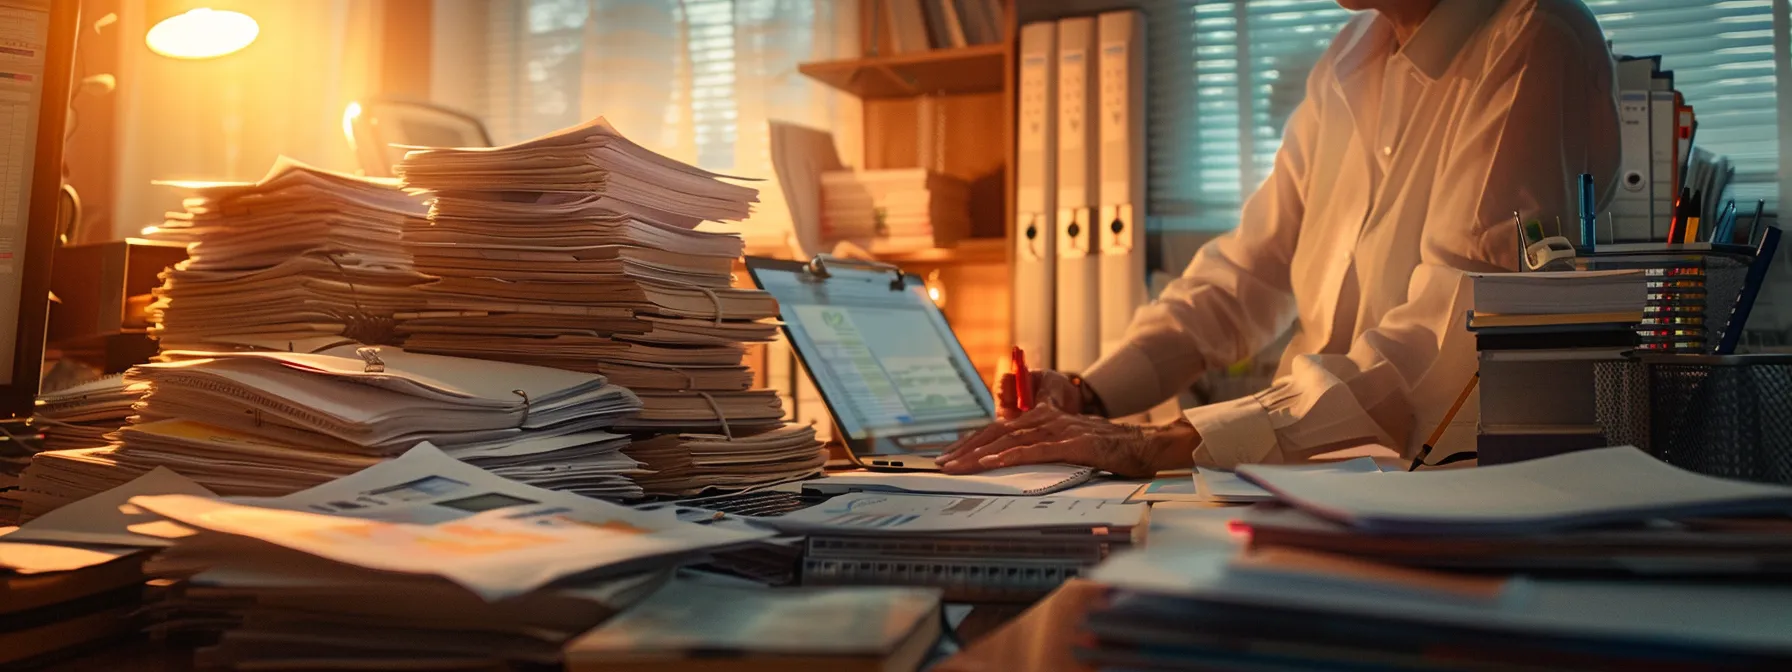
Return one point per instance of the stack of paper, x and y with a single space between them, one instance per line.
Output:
688 464
1600 559
82 416
895 210
1183 609
420 562
76 576
76 417
577 251
302 253
264 423
690 625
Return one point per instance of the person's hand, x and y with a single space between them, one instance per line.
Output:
1047 434
1049 387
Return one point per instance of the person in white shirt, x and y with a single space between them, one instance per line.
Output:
1426 125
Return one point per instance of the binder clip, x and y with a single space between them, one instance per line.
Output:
372 358
818 267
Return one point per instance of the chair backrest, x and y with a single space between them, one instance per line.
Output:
380 124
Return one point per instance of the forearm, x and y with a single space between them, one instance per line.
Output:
1172 446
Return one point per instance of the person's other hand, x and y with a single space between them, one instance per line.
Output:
1048 387
1046 434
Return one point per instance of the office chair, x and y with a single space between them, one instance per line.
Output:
373 126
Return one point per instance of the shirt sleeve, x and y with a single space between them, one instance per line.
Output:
1232 300
1541 114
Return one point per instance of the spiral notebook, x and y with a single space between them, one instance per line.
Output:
1042 479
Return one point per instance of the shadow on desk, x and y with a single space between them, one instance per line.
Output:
1040 640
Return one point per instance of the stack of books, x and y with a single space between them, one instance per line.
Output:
303 254
889 211
976 549
1540 338
1602 559
265 423
422 562
578 250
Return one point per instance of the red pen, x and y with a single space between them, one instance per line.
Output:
1023 381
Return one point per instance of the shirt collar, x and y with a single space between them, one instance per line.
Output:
1431 49
1443 33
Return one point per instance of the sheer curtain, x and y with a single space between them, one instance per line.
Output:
697 80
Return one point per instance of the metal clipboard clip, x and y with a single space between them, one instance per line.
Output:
818 267
371 356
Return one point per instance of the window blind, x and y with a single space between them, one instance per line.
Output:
542 63
1721 52
1225 74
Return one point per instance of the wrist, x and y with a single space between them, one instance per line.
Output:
1173 446
1089 403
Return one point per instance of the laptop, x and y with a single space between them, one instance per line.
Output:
897 381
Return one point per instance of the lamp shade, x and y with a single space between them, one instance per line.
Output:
202 33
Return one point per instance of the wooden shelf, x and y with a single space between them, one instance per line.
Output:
977 69
967 251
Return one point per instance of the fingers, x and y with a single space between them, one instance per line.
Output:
1008 398
1036 417
968 460
1083 450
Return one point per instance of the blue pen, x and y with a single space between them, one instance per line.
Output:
1726 224
1589 227
1751 288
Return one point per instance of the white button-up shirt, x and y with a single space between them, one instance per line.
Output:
1399 172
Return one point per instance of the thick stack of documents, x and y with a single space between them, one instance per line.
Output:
977 549
420 562
82 416
690 625
1541 337
300 254
1613 552
895 210
75 578
266 423
688 464
77 417
577 251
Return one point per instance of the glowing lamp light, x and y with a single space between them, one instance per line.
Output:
202 33
349 115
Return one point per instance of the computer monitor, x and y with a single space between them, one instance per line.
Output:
37 49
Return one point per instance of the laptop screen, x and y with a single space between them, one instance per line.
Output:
884 359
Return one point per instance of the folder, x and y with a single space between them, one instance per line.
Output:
1036 192
1664 149
1121 227
1632 205
1078 271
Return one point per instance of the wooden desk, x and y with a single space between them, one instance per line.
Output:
1039 640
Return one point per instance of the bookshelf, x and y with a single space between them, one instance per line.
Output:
963 70
949 110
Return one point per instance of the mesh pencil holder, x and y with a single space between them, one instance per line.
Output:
1721 416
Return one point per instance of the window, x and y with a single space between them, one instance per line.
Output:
696 80
1225 74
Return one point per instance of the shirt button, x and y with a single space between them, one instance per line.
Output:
1387 150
